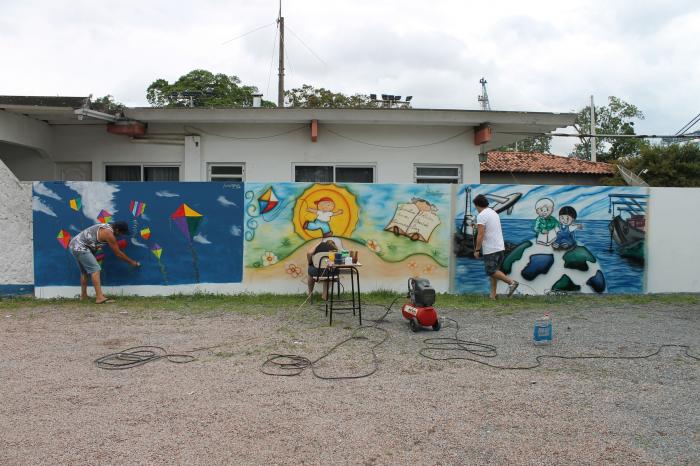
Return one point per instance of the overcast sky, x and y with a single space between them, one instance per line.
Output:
536 55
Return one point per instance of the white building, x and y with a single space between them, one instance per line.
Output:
56 138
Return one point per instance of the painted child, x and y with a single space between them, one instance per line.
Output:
545 225
324 212
566 239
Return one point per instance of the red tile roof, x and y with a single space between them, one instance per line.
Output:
535 162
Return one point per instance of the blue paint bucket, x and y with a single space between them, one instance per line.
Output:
542 333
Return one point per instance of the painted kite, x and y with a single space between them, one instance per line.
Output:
157 251
268 201
64 238
146 233
187 220
75 204
137 208
104 217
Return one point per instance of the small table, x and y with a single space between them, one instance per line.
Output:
355 299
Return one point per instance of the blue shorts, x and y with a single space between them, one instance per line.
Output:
86 262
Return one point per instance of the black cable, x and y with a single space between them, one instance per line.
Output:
138 356
288 365
444 344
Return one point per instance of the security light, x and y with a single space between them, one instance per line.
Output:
408 99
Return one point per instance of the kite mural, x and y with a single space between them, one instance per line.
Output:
75 204
187 221
189 237
104 217
157 251
64 238
285 220
558 239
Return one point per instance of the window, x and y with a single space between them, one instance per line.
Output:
437 173
141 173
226 172
334 173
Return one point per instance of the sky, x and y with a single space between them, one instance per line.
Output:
537 55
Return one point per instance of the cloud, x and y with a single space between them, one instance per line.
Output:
225 202
42 190
201 239
95 197
145 217
73 227
136 243
236 230
39 206
165 193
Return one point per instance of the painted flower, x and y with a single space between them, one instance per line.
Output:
269 258
374 246
294 270
428 269
412 266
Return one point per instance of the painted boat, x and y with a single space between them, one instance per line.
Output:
465 238
628 224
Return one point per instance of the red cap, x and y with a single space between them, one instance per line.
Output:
325 199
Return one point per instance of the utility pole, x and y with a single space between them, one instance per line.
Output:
593 140
280 85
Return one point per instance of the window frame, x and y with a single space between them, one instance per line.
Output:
373 166
142 166
458 179
225 164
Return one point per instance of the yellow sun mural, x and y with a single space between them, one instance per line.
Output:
325 210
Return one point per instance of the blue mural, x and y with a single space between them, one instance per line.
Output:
558 238
181 233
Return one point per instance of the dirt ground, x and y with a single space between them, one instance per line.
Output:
59 408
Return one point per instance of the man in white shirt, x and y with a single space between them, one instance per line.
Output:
490 240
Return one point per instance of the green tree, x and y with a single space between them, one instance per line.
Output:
618 117
536 144
107 104
674 165
202 88
308 96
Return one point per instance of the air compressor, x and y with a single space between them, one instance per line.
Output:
419 310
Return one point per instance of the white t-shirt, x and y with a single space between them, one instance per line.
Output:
493 236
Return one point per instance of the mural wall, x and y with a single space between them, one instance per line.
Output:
558 238
256 236
181 233
399 231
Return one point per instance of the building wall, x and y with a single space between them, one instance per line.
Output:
266 158
541 178
670 260
673 255
16 232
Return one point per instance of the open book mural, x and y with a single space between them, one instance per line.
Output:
417 220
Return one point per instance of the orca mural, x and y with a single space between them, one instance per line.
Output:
558 238
181 233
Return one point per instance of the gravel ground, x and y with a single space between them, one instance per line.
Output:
58 408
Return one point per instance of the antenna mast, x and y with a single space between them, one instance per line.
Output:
280 84
484 97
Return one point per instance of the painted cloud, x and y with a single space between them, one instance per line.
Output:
95 197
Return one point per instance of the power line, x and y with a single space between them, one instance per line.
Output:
398 147
307 47
249 32
688 126
272 59
597 135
